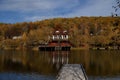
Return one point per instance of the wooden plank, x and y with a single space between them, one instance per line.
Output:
72 72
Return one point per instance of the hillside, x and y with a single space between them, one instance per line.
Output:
83 31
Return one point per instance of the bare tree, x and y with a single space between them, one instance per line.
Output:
116 8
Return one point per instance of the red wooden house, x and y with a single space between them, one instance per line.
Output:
59 40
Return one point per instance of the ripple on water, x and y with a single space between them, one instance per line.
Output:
24 76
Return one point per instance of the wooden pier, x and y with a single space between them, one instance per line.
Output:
54 48
72 72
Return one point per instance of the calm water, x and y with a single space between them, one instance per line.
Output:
33 65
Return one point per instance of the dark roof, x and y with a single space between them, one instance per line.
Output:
60 32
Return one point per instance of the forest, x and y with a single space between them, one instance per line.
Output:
83 31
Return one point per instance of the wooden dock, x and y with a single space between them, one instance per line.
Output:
72 72
54 48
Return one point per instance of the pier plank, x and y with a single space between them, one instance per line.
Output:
72 72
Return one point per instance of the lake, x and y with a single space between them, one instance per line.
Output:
36 65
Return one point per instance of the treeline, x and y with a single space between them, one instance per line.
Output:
83 31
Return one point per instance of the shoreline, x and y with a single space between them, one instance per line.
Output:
72 48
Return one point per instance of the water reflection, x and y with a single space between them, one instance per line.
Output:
96 63
59 58
33 61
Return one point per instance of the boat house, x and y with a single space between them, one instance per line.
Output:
59 40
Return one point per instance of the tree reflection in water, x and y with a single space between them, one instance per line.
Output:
41 62
96 63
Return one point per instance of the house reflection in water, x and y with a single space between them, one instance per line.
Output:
60 57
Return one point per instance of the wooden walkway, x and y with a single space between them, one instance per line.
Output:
72 72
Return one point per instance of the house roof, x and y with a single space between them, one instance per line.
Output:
60 32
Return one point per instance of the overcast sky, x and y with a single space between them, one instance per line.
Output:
12 11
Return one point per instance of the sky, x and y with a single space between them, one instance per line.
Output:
14 11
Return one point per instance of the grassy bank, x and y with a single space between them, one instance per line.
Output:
79 48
